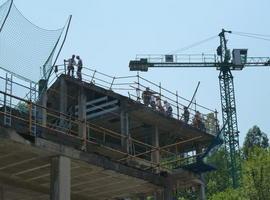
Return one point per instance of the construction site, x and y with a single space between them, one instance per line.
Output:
98 136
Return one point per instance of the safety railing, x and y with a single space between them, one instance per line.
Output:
65 124
177 58
196 115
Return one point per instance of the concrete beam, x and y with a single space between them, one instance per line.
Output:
60 178
99 161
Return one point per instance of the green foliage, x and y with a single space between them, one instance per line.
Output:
256 174
218 180
229 194
254 138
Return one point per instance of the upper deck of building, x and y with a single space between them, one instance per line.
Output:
107 129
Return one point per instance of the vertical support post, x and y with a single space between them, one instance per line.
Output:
63 101
82 117
124 130
216 121
158 195
44 99
42 90
2 192
168 190
202 186
30 116
112 83
92 79
155 142
177 105
160 89
60 178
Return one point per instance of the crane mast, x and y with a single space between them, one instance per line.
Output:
228 106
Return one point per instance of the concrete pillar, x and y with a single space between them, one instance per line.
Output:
124 130
202 188
42 92
63 101
60 178
159 195
1 192
168 190
168 193
82 117
155 142
44 111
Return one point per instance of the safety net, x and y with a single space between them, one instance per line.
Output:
25 48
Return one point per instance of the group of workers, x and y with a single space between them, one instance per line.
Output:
151 98
70 66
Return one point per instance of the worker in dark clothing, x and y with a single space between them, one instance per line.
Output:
71 62
168 108
186 114
79 69
146 96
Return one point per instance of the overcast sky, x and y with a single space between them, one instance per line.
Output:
107 34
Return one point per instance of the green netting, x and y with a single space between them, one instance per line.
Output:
25 48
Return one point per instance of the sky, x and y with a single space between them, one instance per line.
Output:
108 34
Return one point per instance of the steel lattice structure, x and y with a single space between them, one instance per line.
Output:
224 63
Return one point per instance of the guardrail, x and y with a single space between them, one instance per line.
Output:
134 86
61 123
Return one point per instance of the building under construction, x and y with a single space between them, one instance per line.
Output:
63 138
80 140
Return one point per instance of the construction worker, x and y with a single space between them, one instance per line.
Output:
168 108
153 101
71 62
186 114
79 69
159 104
146 96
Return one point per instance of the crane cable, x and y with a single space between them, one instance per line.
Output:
193 45
253 35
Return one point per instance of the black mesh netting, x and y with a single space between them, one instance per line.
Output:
24 47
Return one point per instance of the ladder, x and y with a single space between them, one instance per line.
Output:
33 109
8 100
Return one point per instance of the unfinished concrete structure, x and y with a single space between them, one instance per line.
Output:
82 140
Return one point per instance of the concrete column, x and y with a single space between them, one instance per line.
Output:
60 178
1 192
42 92
155 142
82 117
168 190
168 193
44 111
202 188
159 195
63 101
124 130
142 197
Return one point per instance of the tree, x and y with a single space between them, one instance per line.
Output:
217 181
255 138
230 194
256 174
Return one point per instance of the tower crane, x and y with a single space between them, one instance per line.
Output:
225 61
